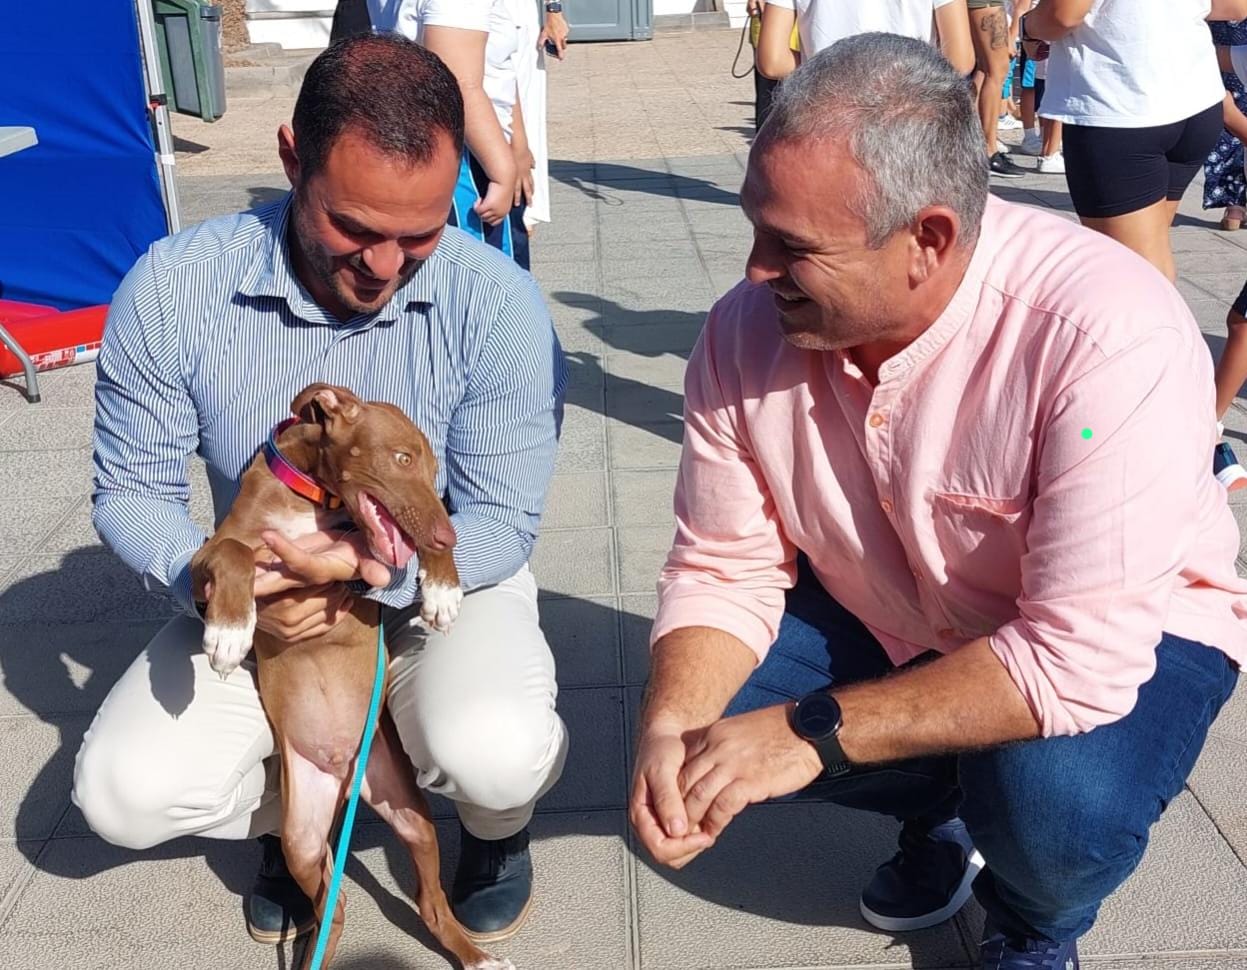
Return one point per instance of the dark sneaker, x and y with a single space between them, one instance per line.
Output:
493 888
1226 468
1001 952
926 882
1005 167
276 910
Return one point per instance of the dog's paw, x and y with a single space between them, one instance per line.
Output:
440 603
490 963
227 644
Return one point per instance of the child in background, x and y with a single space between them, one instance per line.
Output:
1046 141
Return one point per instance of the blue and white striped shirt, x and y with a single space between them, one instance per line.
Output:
210 337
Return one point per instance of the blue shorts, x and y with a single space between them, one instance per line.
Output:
1008 88
1028 73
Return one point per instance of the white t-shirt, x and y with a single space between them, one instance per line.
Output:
1134 64
410 17
823 22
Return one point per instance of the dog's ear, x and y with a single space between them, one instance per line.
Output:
318 402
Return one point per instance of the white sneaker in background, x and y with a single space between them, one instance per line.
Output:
1007 123
1032 143
1053 164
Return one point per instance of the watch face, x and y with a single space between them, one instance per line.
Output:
817 716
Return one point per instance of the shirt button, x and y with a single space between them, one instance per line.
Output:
876 420
946 633
885 505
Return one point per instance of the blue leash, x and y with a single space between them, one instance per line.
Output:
348 820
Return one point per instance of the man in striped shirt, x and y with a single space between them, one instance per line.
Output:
353 279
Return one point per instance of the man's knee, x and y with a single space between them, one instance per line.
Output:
498 756
1046 832
126 800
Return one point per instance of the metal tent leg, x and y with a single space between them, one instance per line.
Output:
32 382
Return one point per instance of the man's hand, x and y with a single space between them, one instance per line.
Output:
304 613
314 560
656 807
740 761
555 29
524 163
754 7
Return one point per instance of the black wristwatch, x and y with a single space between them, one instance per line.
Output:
817 719
554 6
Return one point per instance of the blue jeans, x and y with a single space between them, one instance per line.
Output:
1061 821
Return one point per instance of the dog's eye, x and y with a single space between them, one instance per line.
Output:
402 457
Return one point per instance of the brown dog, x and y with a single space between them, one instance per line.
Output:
316 692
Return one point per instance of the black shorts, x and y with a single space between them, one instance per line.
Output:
1113 171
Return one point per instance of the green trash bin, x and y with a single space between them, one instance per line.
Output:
188 33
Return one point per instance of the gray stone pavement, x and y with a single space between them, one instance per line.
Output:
639 248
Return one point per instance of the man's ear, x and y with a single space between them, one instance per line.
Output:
289 157
936 234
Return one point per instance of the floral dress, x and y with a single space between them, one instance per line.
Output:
1224 183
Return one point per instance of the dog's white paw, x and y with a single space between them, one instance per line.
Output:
440 604
227 645
490 963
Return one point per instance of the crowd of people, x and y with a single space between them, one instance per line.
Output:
947 544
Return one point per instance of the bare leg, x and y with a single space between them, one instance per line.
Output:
1232 367
1146 231
1028 109
990 33
1051 136
390 787
310 800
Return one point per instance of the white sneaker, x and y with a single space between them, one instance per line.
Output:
1032 143
1053 164
1007 123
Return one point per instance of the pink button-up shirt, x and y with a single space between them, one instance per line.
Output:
1035 468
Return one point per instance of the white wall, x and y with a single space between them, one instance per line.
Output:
310 29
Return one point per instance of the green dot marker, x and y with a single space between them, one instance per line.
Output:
1086 434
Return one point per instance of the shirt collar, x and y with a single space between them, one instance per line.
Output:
272 275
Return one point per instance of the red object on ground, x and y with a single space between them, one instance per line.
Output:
51 338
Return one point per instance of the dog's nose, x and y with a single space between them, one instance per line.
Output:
443 537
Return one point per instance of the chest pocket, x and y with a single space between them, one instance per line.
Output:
982 541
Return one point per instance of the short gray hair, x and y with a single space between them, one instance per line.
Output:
910 122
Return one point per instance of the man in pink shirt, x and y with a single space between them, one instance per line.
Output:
965 439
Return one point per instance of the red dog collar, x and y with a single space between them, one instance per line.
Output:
294 479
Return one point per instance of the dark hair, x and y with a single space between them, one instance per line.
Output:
390 90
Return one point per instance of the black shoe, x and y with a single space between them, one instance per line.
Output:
1004 166
926 882
276 910
493 887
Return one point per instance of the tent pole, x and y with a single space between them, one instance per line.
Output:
157 99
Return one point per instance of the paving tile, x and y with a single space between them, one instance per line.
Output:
576 500
584 636
42 428
1217 782
594 776
780 889
39 759
689 296
660 370
645 444
53 670
575 562
642 552
77 587
1224 286
1231 723
582 443
26 519
69 387
638 620
46 474
656 333
1188 895
15 865
643 497
635 402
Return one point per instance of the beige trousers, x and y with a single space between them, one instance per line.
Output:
175 750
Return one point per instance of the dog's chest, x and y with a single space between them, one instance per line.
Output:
303 520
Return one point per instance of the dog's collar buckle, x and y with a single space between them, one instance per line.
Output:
297 481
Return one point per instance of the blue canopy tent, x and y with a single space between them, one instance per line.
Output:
79 207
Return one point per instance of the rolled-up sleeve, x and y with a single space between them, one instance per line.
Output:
1121 468
730 562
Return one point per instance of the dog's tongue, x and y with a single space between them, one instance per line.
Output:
389 541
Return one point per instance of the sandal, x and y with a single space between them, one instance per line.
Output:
1233 218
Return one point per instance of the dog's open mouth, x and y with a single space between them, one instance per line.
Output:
389 543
